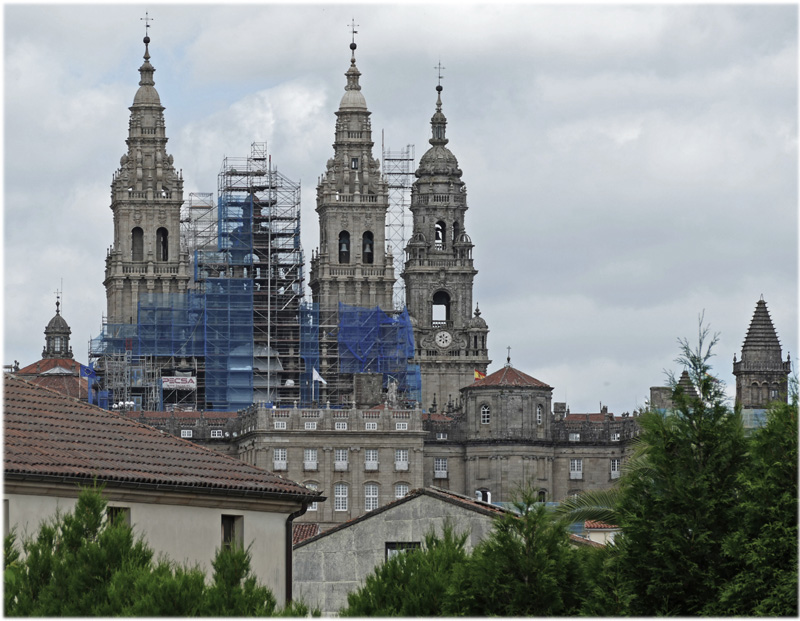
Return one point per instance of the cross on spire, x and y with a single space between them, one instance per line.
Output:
58 302
439 69
146 19
352 25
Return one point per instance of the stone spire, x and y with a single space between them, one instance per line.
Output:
56 337
761 374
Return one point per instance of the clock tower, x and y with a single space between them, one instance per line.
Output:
450 341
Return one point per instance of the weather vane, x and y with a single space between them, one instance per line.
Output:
439 67
509 354
146 19
353 26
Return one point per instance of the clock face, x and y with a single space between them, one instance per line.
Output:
443 338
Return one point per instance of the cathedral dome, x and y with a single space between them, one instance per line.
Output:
57 324
438 160
352 99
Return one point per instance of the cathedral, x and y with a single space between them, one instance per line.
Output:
208 334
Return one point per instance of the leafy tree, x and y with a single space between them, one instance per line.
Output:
765 542
526 567
676 508
413 583
82 564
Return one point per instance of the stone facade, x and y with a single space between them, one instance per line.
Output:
451 343
146 199
329 566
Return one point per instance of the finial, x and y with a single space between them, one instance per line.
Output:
439 69
58 303
353 45
146 19
761 299
508 360
477 310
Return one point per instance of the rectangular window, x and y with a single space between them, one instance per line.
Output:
340 497
401 459
280 424
538 414
371 459
401 426
574 437
340 459
372 426
400 490
576 468
370 496
279 459
615 468
310 459
311 425
615 437
486 415
119 513
313 505
232 531
441 436
398 547
340 425
216 433
354 163
186 433
440 468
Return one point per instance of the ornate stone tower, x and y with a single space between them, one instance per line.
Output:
352 265
761 374
56 337
146 198
450 342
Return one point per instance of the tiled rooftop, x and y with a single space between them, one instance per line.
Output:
508 376
303 531
51 435
596 524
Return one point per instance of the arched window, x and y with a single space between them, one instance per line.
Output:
370 496
483 494
137 244
542 496
455 231
344 247
368 248
400 490
486 414
539 414
162 244
441 235
441 307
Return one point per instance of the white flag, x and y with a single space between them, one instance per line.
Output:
317 377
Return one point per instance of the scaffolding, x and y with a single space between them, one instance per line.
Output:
398 169
199 223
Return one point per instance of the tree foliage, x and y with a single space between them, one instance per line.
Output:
81 564
413 583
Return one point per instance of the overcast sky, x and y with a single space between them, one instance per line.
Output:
627 167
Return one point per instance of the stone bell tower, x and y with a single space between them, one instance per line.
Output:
451 341
146 199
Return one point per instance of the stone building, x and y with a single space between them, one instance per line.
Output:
146 199
451 344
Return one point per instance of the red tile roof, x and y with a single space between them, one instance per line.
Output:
45 364
595 524
508 376
70 385
51 436
587 418
182 415
303 531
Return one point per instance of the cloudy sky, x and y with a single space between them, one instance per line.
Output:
627 167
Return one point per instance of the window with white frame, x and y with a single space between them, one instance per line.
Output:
441 435
372 426
400 490
279 458
216 433
401 426
440 468
539 414
574 437
186 433
615 436
280 424
370 496
371 459
615 468
340 425
395 547
313 505
311 425
401 459
576 468
340 497
486 414
310 459
340 459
